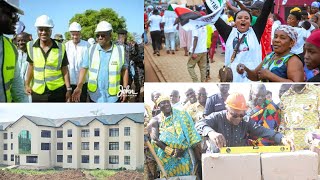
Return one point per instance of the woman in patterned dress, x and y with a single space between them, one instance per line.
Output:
280 65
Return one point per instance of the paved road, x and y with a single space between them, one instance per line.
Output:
173 68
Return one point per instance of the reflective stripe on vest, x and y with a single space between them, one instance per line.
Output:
9 62
115 65
46 72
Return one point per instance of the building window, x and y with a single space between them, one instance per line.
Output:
5 146
45 134
114 132
69 159
32 159
96 159
59 146
96 145
60 134
96 132
59 158
12 157
85 133
69 147
11 134
113 145
127 145
126 131
113 159
85 159
11 146
69 132
127 160
5 157
24 139
45 146
5 135
85 146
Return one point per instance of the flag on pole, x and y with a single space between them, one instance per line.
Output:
203 21
191 20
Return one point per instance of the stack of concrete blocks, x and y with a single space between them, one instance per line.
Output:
299 165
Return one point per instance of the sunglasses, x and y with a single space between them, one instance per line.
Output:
44 29
103 35
235 115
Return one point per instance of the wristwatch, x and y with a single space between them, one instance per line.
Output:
69 88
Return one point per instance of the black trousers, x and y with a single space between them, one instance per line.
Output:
156 40
57 95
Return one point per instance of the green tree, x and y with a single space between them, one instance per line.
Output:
90 19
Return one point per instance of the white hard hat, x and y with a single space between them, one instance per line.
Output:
74 27
103 26
44 21
15 5
91 41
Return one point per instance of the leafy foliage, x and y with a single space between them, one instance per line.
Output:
90 19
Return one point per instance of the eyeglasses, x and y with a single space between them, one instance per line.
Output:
235 115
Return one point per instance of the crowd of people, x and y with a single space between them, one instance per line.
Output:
55 70
228 119
258 44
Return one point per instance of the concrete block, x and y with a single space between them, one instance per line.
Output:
299 165
231 166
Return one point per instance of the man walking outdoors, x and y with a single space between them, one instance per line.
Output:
77 52
48 66
107 66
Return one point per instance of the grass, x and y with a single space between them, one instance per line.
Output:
101 174
31 172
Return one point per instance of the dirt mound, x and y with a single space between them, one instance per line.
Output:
68 174
127 175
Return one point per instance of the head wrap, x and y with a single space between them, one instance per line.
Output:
315 4
295 9
291 32
162 98
314 38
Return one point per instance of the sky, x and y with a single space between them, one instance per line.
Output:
61 11
12 111
211 89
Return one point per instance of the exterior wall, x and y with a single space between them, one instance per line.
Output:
76 145
1 147
102 139
48 158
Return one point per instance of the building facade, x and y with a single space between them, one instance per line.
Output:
96 142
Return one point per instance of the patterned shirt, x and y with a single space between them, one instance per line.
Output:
196 111
266 115
300 114
277 66
177 131
234 135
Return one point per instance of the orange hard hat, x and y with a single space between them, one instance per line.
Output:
237 101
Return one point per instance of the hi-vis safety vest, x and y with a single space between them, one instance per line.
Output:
115 66
10 57
46 72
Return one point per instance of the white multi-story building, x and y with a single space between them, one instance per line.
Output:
104 142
